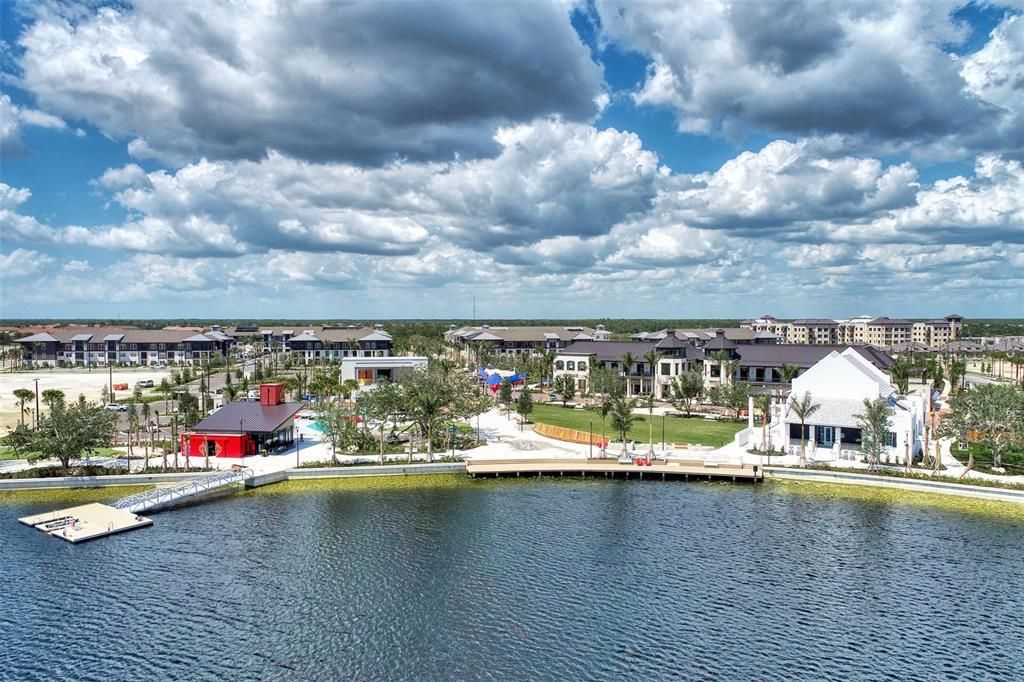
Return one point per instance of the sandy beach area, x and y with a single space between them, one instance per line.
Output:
72 382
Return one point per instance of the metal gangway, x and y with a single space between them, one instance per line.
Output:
149 500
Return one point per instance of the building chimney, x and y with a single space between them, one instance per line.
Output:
378 327
271 394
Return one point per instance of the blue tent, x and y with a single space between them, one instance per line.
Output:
494 379
515 378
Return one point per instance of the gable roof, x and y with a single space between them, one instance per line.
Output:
253 417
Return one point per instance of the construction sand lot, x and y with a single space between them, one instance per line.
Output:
73 382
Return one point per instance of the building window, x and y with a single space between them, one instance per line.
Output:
559 365
571 365
582 366
891 439
666 369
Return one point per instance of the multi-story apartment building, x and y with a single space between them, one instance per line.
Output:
522 340
335 343
884 332
675 356
88 346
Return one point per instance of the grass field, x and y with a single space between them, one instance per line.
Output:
8 453
697 431
1013 461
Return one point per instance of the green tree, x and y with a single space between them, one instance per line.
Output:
720 358
23 395
652 358
51 397
685 389
628 361
605 382
875 425
431 400
505 395
733 397
622 417
788 372
547 360
337 423
804 408
900 374
165 389
145 420
133 427
524 406
565 388
382 405
18 439
104 394
70 432
649 404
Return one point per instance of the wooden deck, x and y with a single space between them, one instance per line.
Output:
86 522
611 468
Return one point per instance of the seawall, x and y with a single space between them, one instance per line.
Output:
882 481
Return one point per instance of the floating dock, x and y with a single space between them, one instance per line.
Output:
86 522
658 469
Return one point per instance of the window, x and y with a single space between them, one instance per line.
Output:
891 439
571 365
581 366
666 369
559 365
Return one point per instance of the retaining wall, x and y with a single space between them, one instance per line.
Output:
379 470
94 481
882 481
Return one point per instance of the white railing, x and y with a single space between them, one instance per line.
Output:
159 497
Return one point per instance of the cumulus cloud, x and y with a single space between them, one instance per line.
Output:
786 185
325 81
551 178
23 263
874 70
13 117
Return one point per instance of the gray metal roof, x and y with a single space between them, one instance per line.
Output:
40 337
81 337
113 337
254 417
802 355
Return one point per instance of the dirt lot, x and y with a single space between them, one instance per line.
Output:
72 381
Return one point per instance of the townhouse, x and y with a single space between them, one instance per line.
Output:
336 342
675 356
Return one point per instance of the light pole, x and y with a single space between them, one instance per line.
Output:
590 441
37 402
663 432
241 438
110 380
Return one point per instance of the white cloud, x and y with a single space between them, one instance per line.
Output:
13 117
874 70
362 82
23 263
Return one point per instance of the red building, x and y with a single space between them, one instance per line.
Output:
245 428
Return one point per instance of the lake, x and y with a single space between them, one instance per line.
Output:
446 578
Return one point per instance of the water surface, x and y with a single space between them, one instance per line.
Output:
449 578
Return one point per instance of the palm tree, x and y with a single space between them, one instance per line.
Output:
622 416
145 418
23 395
653 357
900 374
874 428
547 359
628 360
51 397
649 403
804 409
763 402
789 372
720 358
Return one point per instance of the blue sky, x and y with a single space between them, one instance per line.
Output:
552 160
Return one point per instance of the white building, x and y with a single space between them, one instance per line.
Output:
840 383
369 371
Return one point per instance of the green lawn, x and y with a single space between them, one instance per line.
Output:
1013 461
696 430
7 452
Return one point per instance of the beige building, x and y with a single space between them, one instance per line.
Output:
884 332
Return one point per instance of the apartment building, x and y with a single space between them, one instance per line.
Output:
675 357
337 342
884 332
522 340
89 346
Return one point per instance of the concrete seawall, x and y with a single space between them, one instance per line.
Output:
385 470
254 482
882 481
94 481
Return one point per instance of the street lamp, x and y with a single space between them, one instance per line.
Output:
241 438
590 440
37 402
663 432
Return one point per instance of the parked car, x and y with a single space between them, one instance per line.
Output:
144 383
117 407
